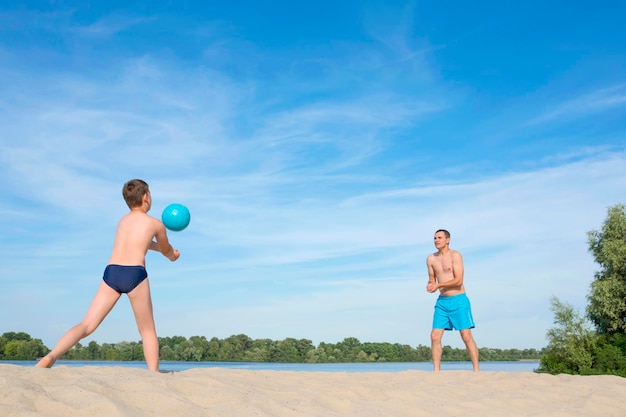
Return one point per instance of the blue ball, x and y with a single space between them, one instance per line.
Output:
176 217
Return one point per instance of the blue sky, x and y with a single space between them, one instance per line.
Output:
318 147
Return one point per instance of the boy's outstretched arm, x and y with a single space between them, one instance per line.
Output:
162 244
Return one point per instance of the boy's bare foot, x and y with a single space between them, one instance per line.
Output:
46 362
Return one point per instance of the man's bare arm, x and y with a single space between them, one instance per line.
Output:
432 281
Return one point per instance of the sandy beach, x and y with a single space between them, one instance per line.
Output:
115 391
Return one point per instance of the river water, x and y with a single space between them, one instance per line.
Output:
504 366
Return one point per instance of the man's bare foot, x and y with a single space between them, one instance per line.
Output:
46 362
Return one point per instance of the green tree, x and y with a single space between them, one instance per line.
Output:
109 352
12 350
166 353
9 336
213 349
235 346
20 346
303 346
315 356
285 351
423 353
571 342
128 351
93 350
609 358
35 349
227 352
171 341
259 351
607 297
349 348
3 343
23 350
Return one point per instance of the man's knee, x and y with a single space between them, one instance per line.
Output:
466 335
436 336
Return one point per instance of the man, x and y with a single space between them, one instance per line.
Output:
452 310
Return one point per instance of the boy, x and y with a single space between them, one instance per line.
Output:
125 273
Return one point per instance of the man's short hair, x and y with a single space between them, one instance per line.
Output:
445 232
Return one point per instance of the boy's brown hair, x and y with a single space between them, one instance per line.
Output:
133 192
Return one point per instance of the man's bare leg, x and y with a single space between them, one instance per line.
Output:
435 347
142 307
470 346
102 303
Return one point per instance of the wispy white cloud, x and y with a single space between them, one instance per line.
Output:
109 25
586 104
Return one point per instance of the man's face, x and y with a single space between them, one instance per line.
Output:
441 241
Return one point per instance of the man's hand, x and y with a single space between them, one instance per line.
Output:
432 287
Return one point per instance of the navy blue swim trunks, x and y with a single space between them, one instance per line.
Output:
123 278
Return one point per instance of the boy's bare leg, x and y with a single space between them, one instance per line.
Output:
435 347
141 302
102 303
470 346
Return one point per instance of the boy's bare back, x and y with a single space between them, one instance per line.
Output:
133 239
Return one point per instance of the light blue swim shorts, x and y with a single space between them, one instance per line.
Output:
453 312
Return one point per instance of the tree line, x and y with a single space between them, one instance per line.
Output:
595 342
241 348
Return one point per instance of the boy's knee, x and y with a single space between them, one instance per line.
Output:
87 329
